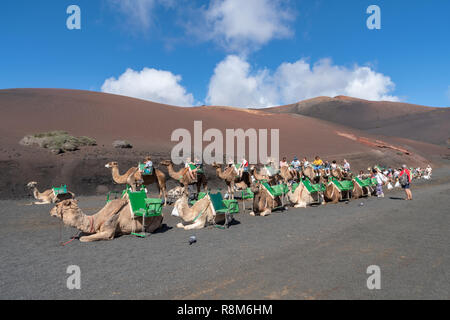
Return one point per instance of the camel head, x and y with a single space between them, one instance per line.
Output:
216 165
66 209
166 163
111 165
32 184
178 206
255 187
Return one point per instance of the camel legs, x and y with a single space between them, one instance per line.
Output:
40 203
197 225
105 235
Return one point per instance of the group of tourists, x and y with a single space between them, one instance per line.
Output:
400 176
316 164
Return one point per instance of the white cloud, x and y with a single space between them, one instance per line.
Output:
234 83
139 12
150 84
244 25
448 92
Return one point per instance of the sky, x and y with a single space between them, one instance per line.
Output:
253 53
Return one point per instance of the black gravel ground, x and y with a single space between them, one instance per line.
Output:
314 253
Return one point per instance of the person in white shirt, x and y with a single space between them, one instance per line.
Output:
346 166
381 179
305 163
334 165
283 163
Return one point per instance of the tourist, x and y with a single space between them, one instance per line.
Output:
406 181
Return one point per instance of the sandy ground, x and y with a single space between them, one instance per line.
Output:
314 253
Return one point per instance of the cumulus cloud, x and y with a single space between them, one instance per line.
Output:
235 83
150 84
244 25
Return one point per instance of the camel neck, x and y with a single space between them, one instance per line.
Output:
36 193
81 222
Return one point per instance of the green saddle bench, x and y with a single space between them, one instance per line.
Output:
365 184
314 190
345 187
142 206
61 193
228 207
279 190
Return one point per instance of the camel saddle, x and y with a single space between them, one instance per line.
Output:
363 183
313 187
145 171
141 206
344 185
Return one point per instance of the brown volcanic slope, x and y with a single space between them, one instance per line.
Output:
405 120
149 127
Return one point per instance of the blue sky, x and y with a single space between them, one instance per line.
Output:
227 52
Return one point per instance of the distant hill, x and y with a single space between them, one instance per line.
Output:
149 126
397 119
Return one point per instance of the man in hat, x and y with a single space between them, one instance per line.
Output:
296 164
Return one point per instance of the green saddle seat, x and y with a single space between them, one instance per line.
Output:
364 183
344 185
59 190
277 190
247 194
223 206
313 187
143 206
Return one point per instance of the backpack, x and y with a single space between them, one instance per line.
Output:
404 179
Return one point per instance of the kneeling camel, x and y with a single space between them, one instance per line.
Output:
114 219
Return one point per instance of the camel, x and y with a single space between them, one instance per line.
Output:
114 219
182 176
175 194
47 196
263 202
232 179
359 192
309 173
135 178
257 175
288 174
198 216
332 193
301 198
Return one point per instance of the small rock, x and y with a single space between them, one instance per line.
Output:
69 146
122 144
56 151
192 240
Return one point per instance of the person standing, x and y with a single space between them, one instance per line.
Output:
380 180
346 166
406 181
